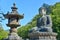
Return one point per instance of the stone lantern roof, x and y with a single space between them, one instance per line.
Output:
13 17
14 13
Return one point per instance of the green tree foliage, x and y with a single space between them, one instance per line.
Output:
3 34
56 19
55 15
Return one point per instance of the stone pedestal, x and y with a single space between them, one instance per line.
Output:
42 36
14 36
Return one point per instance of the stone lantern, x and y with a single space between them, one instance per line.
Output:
13 22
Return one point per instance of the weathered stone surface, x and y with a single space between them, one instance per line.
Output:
14 36
42 36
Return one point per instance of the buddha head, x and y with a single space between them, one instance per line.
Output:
42 11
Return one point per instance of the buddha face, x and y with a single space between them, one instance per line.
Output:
43 11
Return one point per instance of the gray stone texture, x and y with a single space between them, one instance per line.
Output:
42 36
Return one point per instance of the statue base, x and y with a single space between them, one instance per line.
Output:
13 36
42 36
